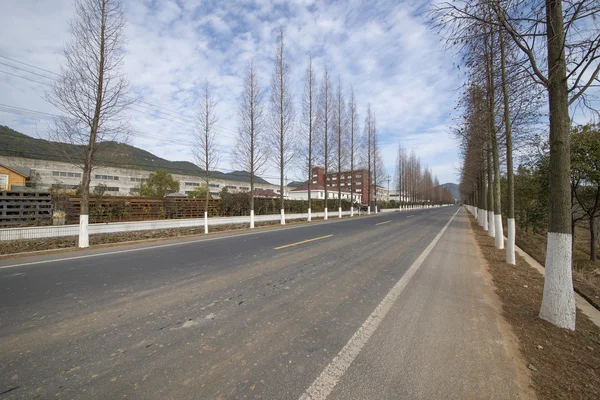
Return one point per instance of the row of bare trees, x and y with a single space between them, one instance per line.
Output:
326 133
417 184
517 52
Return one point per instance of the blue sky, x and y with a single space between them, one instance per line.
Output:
382 48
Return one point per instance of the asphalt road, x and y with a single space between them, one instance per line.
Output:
254 315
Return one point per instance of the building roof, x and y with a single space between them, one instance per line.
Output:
25 172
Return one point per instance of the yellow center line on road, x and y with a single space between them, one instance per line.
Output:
302 242
381 223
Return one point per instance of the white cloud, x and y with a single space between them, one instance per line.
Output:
380 47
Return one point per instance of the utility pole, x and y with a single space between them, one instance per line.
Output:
388 194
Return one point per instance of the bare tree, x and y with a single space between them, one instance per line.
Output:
91 91
251 151
206 151
562 51
325 116
510 186
377 164
368 135
340 122
308 126
353 122
282 116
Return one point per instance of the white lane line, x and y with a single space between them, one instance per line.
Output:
324 384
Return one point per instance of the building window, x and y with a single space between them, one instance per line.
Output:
216 194
244 188
112 189
192 184
213 185
358 175
3 182
66 174
335 178
358 183
358 190
231 187
134 190
137 179
314 181
314 175
107 177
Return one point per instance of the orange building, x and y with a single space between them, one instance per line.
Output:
10 178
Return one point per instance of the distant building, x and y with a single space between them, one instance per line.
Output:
359 177
118 181
318 192
396 196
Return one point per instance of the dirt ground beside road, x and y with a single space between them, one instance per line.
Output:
563 364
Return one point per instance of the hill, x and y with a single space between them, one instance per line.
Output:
109 154
453 188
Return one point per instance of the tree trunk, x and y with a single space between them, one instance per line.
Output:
84 238
592 239
558 302
490 192
510 190
207 194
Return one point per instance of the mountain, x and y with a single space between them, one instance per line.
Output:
453 188
109 154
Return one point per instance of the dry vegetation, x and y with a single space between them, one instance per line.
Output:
586 275
564 364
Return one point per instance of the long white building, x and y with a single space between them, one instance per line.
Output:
120 181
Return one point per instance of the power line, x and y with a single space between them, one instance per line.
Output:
29 72
22 77
29 65
187 117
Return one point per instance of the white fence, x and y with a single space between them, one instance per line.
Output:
39 232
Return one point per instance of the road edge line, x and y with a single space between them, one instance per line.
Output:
328 379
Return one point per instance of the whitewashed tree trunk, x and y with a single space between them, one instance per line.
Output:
352 211
325 217
510 243
491 224
309 215
484 220
251 219
558 302
205 222
282 216
84 237
368 210
340 212
499 232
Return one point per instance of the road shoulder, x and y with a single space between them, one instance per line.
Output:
562 363
444 337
